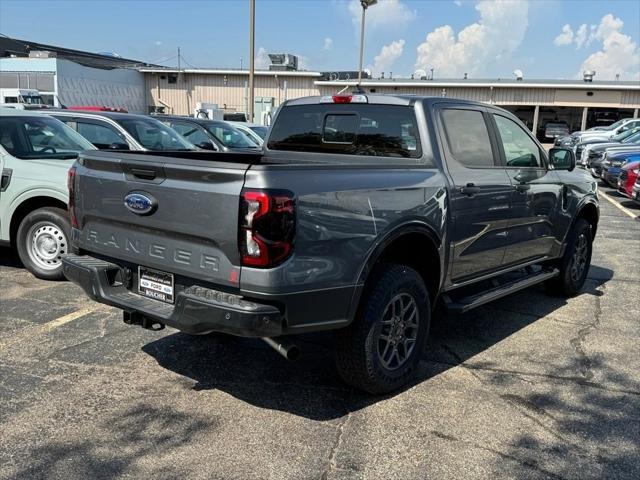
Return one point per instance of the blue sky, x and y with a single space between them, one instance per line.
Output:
543 38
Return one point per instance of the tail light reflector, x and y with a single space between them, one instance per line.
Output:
71 185
267 227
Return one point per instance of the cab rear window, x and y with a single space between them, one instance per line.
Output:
347 129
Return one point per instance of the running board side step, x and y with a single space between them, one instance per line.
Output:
465 304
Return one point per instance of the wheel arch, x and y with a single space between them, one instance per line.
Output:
416 245
28 205
591 213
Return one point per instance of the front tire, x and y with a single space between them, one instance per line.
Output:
42 239
574 265
380 350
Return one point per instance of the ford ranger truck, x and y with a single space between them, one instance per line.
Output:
360 215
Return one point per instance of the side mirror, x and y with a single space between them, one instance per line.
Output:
118 146
206 145
562 159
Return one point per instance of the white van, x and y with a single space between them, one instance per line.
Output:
16 96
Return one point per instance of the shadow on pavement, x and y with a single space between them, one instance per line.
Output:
310 387
9 258
138 432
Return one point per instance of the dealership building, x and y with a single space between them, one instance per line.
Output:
581 103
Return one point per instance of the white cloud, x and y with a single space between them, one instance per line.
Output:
392 13
583 36
158 43
387 56
261 61
493 38
328 43
566 37
619 54
457 2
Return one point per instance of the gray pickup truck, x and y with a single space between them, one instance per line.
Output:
360 215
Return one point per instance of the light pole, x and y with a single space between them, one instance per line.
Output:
365 4
252 37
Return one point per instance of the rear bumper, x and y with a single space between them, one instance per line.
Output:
197 310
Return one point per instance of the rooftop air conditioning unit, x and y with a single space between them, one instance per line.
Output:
588 75
283 62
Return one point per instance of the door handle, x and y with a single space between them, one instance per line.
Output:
143 173
522 187
470 189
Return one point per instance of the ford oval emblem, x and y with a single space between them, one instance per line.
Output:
140 203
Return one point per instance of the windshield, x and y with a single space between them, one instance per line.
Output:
155 135
35 137
614 125
261 131
32 99
229 136
635 138
621 136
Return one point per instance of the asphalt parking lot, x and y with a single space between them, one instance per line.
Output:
528 387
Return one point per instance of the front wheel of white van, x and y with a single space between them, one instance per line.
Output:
42 239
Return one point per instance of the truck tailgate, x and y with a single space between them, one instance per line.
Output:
192 229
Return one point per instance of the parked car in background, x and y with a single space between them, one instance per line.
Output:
628 176
617 128
122 131
234 117
20 96
252 130
582 149
603 132
555 129
613 164
207 134
36 152
97 108
635 190
595 150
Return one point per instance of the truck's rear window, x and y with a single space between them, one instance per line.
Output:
351 129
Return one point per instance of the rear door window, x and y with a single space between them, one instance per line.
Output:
468 137
102 136
347 129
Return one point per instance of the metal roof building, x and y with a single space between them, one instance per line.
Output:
579 103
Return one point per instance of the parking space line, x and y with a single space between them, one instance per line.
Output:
617 205
49 326
69 317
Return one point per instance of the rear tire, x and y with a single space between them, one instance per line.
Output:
574 265
379 351
42 239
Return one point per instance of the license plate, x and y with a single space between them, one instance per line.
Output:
155 284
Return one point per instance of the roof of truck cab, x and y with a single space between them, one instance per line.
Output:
385 99
89 113
201 121
15 112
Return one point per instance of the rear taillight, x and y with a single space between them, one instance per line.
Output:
267 227
71 185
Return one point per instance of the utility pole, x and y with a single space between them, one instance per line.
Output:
365 4
252 33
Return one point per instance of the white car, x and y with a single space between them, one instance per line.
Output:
254 131
36 152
